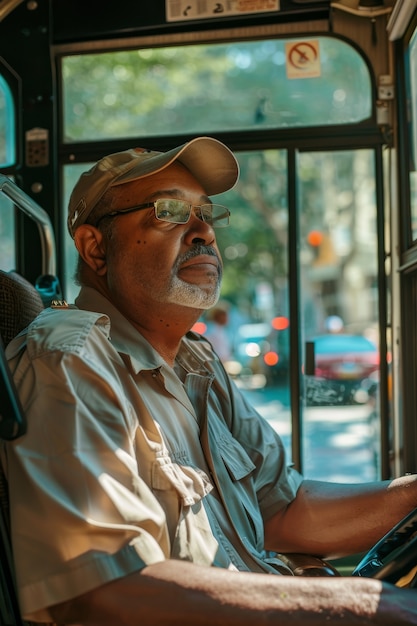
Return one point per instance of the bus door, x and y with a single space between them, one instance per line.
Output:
303 270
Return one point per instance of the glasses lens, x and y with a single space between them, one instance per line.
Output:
171 210
219 216
178 212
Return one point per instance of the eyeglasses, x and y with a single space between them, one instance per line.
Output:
178 212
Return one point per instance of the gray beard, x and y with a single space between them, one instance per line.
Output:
191 295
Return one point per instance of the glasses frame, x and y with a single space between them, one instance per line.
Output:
150 205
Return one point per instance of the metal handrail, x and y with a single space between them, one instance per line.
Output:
26 204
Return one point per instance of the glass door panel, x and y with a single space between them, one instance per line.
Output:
339 312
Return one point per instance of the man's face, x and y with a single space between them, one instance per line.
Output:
150 261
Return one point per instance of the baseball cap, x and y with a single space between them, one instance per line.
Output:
211 162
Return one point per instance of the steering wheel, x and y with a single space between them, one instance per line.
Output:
394 558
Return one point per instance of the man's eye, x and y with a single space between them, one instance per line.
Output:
170 209
165 213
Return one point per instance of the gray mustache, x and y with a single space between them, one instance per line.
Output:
197 250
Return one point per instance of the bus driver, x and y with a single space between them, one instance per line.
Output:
147 490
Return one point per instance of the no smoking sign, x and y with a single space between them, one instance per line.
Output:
303 59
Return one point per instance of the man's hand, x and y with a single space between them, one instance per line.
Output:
332 520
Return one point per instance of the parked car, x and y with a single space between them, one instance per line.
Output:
343 363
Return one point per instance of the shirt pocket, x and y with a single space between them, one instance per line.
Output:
240 494
238 463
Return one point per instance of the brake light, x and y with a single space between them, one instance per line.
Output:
280 322
271 358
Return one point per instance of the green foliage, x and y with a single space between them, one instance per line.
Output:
209 87
254 247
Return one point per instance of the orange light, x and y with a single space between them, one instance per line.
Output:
280 322
314 238
271 358
200 328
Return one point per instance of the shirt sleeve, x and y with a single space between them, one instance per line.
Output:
86 516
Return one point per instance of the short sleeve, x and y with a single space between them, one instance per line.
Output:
86 517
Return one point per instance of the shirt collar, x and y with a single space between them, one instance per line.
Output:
124 337
128 341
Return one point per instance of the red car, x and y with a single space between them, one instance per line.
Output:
342 363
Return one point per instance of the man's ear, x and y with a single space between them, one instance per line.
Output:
90 244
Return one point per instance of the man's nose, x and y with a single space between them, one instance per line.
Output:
198 230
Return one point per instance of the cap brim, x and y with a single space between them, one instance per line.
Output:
208 160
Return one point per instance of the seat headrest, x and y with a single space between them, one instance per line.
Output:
20 303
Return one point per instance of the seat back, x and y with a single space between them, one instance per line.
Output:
20 303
